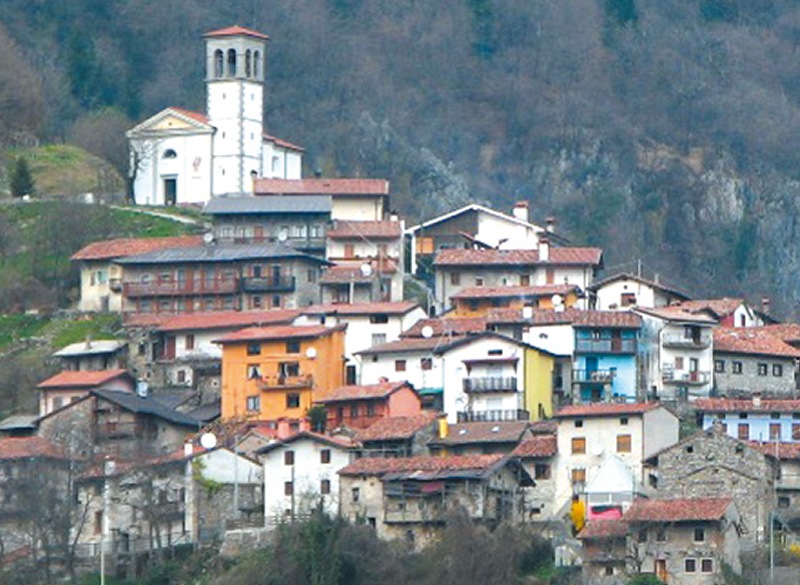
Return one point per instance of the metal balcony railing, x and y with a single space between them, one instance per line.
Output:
490 384
608 345
492 415
179 288
269 284
592 376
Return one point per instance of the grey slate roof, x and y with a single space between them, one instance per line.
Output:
219 253
269 204
147 406
92 347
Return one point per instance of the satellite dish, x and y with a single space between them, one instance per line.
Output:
282 235
557 300
208 441
311 353
208 238
527 312
597 449
427 332
142 389
366 269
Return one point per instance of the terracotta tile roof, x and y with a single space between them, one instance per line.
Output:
717 307
407 344
119 248
72 379
386 308
537 446
559 256
726 405
651 283
352 272
676 313
606 409
279 332
381 466
752 341
225 319
576 317
143 319
24 447
788 332
321 187
479 292
346 230
282 143
790 451
363 392
338 441
482 432
447 326
604 529
396 427
234 31
538 317
677 510
196 116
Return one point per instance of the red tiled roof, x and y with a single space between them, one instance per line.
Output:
606 409
677 510
282 143
407 344
538 316
279 332
447 326
337 441
576 317
788 332
395 427
537 446
73 379
345 230
719 307
777 450
388 308
726 405
479 292
562 256
651 283
604 529
321 187
226 319
365 392
109 249
752 341
24 447
676 313
234 31
196 116
380 465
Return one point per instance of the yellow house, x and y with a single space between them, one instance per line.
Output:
476 301
539 382
276 372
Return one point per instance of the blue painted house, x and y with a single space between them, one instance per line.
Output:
752 420
605 356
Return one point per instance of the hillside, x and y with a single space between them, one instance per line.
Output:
676 120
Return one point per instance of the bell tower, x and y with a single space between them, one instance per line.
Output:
235 105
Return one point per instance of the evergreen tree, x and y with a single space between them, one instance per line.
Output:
21 178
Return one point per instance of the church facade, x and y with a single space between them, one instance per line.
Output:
180 157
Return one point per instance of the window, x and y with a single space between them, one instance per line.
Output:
679 363
354 411
627 299
478 281
253 348
541 471
699 535
623 443
379 319
253 371
737 367
356 494
189 341
288 488
325 486
774 431
642 536
623 421
325 456
524 279
578 445
288 369
795 432
762 369
253 404
312 275
399 365
256 302
690 565
378 338
292 400
578 475
170 153
370 409
777 370
288 457
707 565
292 347
98 522
784 502
426 363
455 278
276 301
609 571
578 424
719 366
661 535
744 431
300 232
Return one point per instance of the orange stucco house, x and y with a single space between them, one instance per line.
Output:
278 372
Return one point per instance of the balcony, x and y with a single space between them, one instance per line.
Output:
686 378
608 345
493 415
489 385
268 284
681 341
286 382
592 376
179 288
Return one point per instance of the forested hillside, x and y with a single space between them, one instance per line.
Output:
666 130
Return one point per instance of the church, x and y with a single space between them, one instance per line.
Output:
180 157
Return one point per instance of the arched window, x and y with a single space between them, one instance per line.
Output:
218 63
247 63
257 65
232 62
169 153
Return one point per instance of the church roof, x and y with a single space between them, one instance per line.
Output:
236 30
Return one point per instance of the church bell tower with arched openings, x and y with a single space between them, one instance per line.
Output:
235 93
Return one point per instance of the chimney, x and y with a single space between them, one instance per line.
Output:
88 341
551 224
520 210
657 278
765 305
188 449
444 428
544 249
757 399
